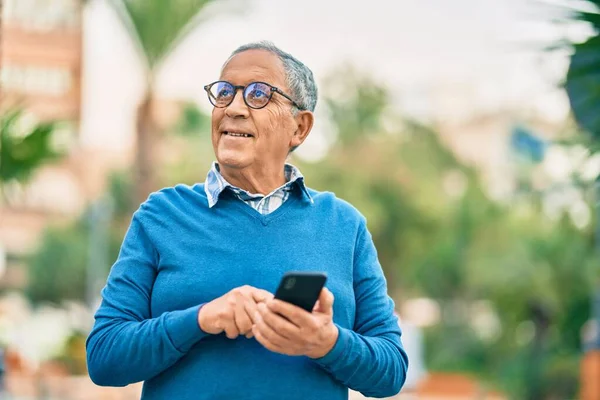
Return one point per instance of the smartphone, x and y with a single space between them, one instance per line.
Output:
301 289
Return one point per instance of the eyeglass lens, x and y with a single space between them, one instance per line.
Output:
256 94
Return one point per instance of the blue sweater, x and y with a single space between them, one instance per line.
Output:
178 253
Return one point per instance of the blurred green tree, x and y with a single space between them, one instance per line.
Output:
583 76
488 265
190 147
23 149
67 249
157 27
437 233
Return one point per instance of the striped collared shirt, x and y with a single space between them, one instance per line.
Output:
215 184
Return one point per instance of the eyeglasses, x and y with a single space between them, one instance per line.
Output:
256 94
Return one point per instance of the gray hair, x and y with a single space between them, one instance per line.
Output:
299 78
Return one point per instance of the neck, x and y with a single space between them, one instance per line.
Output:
262 181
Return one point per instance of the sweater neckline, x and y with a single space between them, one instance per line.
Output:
268 218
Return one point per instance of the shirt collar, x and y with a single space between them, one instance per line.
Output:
215 183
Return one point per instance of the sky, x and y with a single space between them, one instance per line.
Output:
409 45
447 59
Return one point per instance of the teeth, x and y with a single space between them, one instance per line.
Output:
238 134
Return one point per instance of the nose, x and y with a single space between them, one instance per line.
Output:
237 108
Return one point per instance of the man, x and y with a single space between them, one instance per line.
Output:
188 305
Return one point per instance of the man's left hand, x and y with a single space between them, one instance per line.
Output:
287 329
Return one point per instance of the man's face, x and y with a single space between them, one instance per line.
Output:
272 127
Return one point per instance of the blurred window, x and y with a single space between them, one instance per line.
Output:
36 80
43 15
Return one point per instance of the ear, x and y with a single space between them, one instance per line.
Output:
305 121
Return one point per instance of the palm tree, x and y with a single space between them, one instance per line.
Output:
583 77
157 27
583 89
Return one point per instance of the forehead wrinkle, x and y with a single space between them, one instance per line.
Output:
239 76
268 69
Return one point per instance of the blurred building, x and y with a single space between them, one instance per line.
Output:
55 64
40 73
41 64
478 130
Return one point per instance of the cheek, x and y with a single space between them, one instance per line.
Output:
217 116
274 122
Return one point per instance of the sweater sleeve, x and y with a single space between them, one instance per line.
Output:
369 358
126 345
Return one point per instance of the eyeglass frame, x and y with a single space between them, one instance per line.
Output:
274 89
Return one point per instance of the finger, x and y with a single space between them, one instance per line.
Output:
251 309
294 314
260 295
242 320
250 335
279 324
317 305
267 332
326 301
265 342
230 329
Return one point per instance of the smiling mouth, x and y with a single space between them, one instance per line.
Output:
236 134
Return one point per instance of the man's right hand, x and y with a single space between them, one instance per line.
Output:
233 312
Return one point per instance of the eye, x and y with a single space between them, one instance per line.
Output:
224 92
258 93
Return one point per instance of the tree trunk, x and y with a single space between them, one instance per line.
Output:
541 318
146 133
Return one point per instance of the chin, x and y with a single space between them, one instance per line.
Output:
233 159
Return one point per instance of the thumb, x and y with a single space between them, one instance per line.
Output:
325 302
317 306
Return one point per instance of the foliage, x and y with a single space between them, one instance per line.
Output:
73 355
67 250
158 26
438 236
120 185
22 152
192 122
462 249
583 77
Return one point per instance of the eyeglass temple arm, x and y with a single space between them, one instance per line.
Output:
287 97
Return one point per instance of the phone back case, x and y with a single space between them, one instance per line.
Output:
301 288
